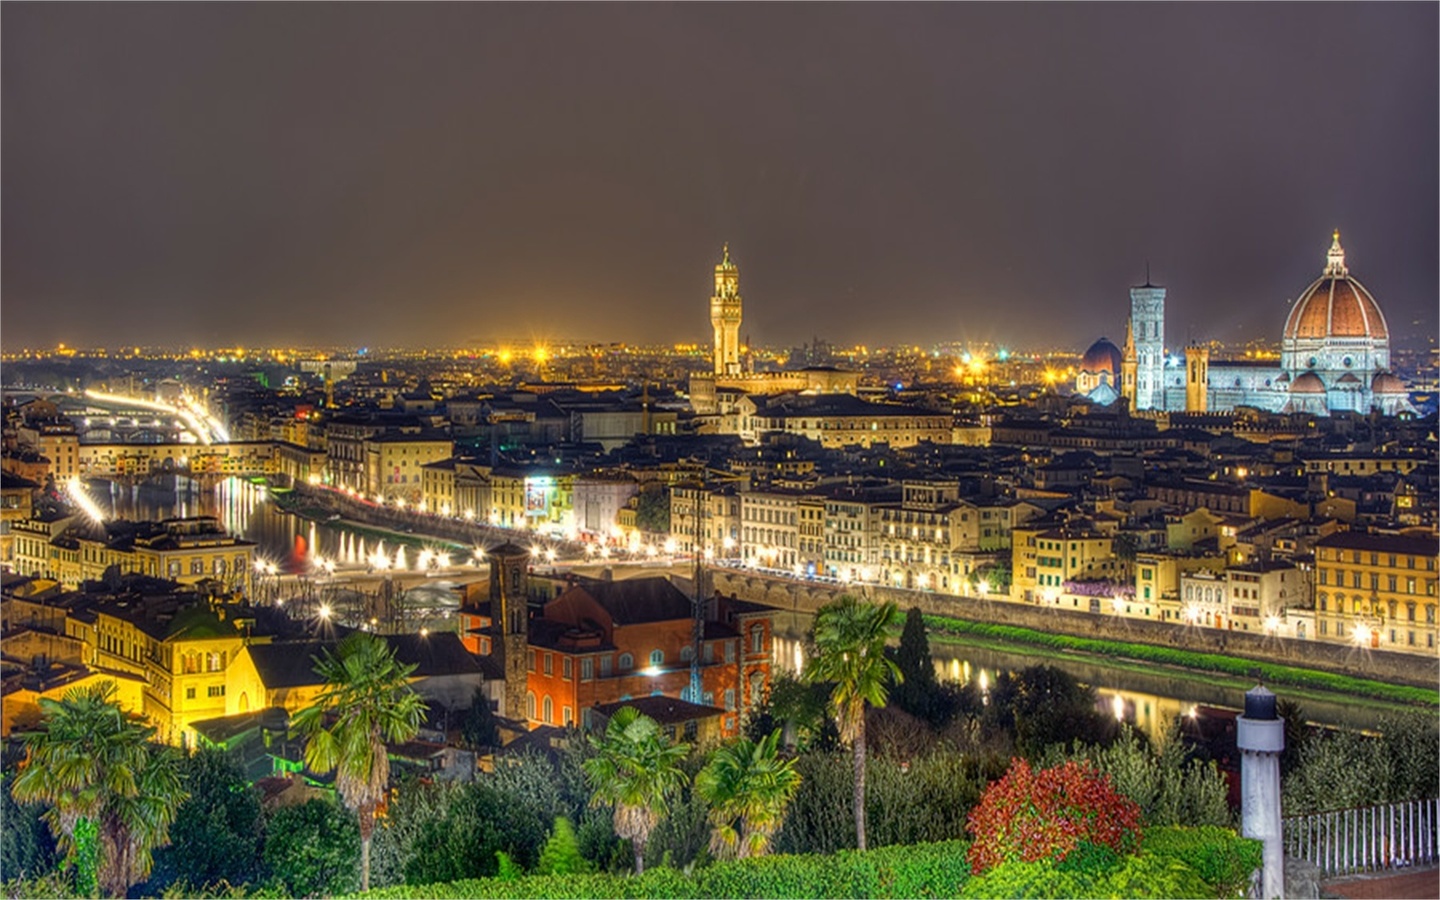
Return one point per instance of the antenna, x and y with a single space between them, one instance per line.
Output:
1147 273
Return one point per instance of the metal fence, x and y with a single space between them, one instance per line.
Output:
1368 838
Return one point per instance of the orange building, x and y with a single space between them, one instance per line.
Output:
603 642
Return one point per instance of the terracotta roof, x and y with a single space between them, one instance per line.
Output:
1335 307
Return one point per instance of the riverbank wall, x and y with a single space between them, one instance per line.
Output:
807 597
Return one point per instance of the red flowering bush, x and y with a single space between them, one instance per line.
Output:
1029 815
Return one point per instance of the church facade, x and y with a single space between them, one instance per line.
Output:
1334 357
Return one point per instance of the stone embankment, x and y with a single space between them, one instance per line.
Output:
807 596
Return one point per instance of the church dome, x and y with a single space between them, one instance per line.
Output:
1102 356
1336 305
1308 383
1386 383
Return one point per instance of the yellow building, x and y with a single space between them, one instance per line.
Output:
1377 590
394 463
183 550
1067 556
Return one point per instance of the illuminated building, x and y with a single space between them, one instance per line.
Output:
1377 590
602 642
725 309
730 378
1335 356
181 550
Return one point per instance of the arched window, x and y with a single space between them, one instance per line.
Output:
530 704
657 657
626 662
687 653
549 711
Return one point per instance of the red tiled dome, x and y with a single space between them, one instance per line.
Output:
1336 305
1102 356
1308 383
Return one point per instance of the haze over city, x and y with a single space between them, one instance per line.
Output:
439 174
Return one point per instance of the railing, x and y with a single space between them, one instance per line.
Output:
1366 839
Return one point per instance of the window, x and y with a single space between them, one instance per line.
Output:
565 667
687 653
189 693
549 711
605 666
197 566
729 651
530 704
215 690
567 716
757 639
730 698
657 657
627 662
587 668
549 664
531 664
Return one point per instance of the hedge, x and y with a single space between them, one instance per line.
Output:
916 870
1173 862
1190 659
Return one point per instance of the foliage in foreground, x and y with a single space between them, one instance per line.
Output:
1031 815
1271 673
1176 862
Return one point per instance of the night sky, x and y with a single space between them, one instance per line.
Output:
437 174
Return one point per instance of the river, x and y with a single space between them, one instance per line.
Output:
1149 699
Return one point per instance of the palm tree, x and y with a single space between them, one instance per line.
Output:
637 769
748 786
850 653
111 791
367 701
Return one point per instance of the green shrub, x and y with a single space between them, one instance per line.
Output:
1218 855
1144 875
923 870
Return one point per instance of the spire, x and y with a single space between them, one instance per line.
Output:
726 254
1335 259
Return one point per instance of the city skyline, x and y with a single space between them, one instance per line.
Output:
443 175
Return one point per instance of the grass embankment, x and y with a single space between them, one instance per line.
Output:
1187 663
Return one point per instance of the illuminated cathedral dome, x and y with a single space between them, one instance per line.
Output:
1335 333
1102 356
1335 306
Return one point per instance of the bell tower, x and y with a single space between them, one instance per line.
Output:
1197 376
510 614
1147 322
725 315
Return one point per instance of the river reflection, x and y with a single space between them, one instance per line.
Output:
1149 700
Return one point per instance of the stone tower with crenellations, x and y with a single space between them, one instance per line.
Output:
725 311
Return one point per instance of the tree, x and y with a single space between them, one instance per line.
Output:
561 855
111 791
366 702
479 822
217 829
748 786
850 653
637 770
918 691
1044 705
479 728
652 511
310 849
27 848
